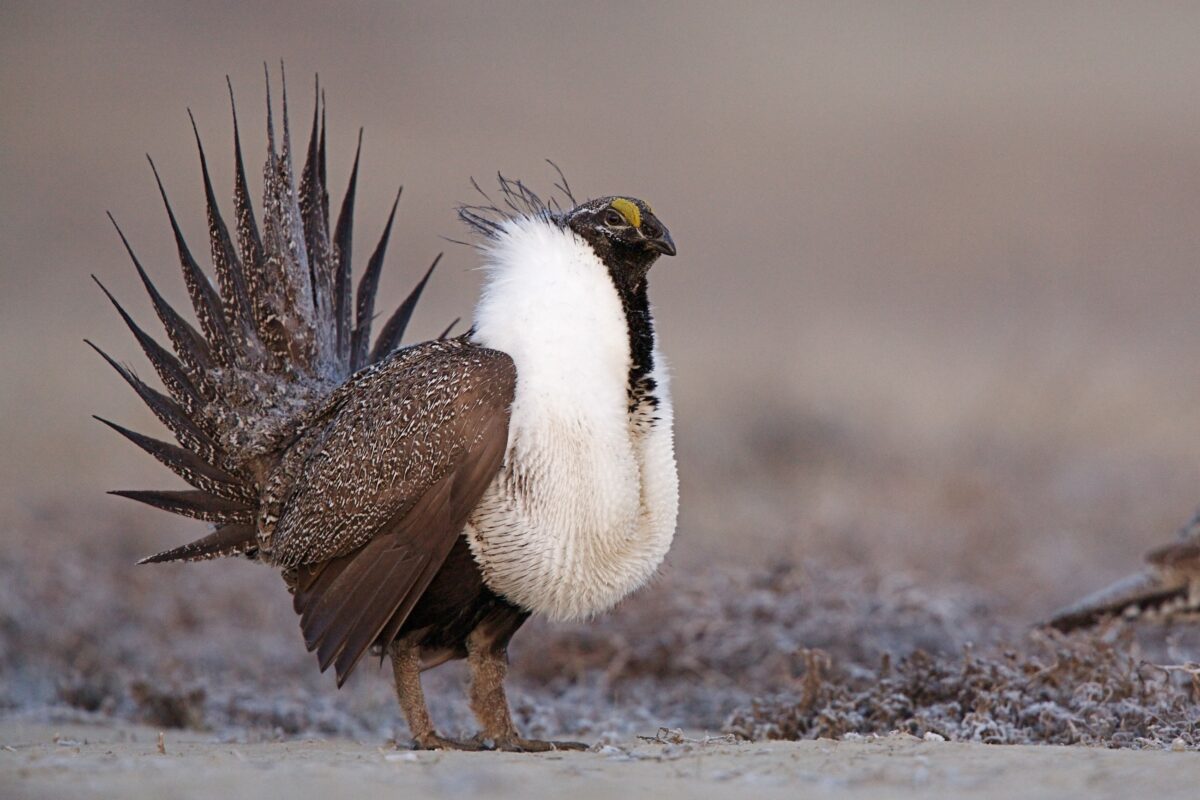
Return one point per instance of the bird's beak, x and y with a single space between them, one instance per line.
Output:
663 243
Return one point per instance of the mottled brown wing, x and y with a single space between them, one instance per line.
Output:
388 488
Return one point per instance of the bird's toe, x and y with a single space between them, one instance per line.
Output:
519 744
432 741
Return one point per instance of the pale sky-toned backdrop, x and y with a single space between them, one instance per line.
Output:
936 298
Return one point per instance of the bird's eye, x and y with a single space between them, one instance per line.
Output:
613 219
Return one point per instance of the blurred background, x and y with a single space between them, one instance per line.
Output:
934 310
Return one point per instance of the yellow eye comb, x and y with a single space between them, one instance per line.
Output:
629 210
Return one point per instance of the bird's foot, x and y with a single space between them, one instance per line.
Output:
431 741
518 744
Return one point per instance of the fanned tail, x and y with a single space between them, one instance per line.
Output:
280 329
226 540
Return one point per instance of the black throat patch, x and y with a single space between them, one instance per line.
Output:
631 288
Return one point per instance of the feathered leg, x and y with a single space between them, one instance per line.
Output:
406 664
487 657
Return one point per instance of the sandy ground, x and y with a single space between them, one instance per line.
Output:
124 761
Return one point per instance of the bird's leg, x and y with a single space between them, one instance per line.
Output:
487 657
406 664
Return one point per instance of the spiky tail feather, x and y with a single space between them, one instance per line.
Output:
275 335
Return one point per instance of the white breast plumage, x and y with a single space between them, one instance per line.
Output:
585 507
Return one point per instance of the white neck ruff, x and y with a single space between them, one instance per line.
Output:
585 508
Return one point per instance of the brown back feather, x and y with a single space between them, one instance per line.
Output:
353 599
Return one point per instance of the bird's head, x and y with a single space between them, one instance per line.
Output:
624 232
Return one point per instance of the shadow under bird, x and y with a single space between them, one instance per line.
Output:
420 501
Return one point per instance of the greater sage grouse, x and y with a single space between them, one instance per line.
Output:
1167 588
423 500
